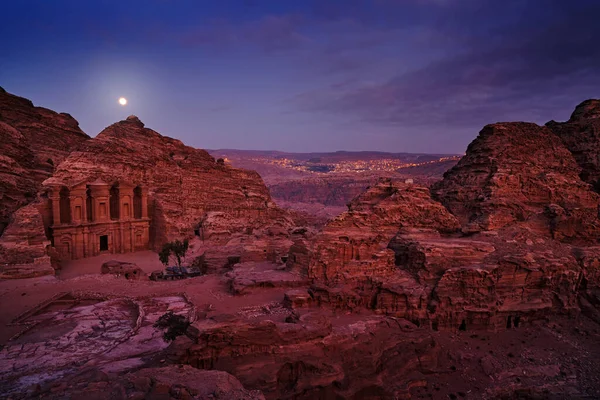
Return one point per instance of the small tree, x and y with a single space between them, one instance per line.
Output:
176 249
179 249
164 254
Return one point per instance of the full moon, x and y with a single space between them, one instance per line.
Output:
122 101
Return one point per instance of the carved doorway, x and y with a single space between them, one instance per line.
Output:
104 243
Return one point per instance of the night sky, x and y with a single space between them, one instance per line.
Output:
322 75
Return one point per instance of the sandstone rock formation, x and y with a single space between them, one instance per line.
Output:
313 358
34 140
581 135
172 382
248 276
522 207
520 174
354 261
24 248
350 244
372 307
188 190
189 193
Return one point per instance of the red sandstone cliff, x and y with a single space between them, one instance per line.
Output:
520 174
33 141
581 135
522 207
188 191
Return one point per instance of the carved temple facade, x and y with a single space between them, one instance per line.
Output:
89 219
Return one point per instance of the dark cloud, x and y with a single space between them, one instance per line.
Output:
538 65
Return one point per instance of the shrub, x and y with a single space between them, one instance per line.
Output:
175 325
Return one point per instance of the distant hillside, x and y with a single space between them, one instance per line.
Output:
336 156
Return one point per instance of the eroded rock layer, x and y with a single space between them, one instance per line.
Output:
349 244
509 255
520 174
188 191
581 135
34 140
313 358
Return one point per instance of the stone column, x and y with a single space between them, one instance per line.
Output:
55 197
121 239
93 244
86 241
144 202
132 238
146 237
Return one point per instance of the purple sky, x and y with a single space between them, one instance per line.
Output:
306 75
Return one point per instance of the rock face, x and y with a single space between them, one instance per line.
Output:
170 382
188 192
34 140
520 174
312 358
248 276
355 244
507 257
24 247
355 261
581 135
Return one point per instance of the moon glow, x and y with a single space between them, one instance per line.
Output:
122 101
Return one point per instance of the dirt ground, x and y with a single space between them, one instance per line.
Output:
206 292
146 260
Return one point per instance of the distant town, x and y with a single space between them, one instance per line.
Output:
344 166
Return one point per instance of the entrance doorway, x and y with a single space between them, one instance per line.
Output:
104 243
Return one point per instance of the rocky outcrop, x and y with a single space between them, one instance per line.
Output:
188 191
520 174
311 358
355 244
355 262
581 135
18 177
246 277
24 248
520 206
129 271
172 382
51 135
33 141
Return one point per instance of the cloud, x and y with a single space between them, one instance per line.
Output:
270 33
528 69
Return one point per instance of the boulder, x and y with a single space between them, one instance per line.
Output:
129 271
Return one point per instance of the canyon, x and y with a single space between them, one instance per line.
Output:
456 277
322 184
